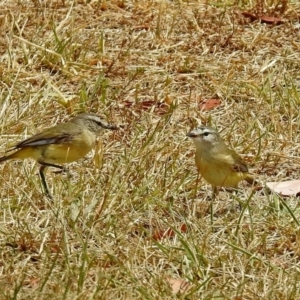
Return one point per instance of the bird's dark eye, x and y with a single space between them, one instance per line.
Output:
206 133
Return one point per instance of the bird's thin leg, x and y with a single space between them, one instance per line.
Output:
61 169
52 165
214 194
235 193
42 168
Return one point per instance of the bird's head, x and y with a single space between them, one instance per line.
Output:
204 136
94 122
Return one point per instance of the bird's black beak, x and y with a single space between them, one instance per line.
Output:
191 134
111 127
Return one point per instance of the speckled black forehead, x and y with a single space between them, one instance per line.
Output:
206 129
92 117
95 118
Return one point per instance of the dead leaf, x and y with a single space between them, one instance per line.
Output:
168 100
285 188
178 285
270 20
209 104
263 19
183 228
249 15
169 233
160 234
33 282
106 62
93 62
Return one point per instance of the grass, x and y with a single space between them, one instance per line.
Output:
134 214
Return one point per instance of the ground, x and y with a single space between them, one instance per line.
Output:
135 221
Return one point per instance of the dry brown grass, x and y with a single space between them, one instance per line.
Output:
129 60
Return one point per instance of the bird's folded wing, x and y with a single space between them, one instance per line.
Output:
43 139
240 167
60 134
238 164
232 160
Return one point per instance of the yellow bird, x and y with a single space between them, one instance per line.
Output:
63 143
217 164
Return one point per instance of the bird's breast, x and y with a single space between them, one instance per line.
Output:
78 146
218 172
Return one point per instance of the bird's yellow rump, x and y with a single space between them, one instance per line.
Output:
217 164
63 143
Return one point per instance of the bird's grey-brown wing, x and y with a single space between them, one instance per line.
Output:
59 134
234 161
239 165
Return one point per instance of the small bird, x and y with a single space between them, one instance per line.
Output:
217 164
63 143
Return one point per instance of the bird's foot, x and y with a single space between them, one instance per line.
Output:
62 171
